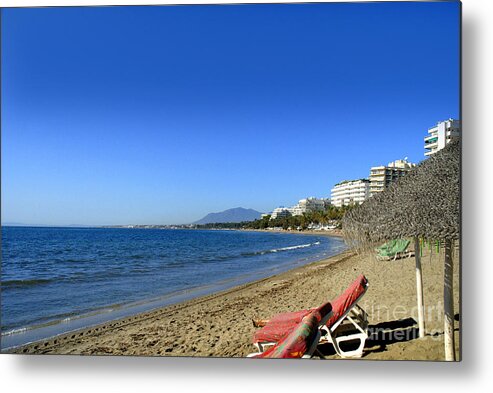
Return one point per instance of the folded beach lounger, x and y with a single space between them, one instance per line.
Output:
279 326
394 249
348 323
301 342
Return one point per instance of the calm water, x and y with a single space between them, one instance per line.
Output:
58 279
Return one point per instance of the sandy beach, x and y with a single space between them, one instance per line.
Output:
220 325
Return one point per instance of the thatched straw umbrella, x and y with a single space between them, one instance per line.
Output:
423 204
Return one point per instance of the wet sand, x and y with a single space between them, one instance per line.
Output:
220 325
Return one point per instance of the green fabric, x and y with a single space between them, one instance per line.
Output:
393 247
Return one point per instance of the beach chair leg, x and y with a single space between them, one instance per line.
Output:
358 352
263 346
362 335
361 314
336 341
319 354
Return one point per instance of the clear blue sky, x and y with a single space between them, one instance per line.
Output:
117 115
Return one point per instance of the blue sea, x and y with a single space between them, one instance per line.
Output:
55 280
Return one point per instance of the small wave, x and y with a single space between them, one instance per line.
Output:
175 264
14 331
140 270
281 249
64 319
291 247
25 283
222 258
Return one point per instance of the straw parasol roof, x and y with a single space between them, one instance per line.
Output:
424 203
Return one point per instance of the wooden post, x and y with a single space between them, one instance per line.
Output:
419 288
448 303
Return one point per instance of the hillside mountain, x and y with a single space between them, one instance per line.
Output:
237 214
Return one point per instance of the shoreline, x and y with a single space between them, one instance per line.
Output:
43 345
114 314
219 324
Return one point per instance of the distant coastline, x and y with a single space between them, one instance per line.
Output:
330 233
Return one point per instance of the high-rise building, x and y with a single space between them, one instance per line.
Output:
280 212
382 176
307 205
311 204
440 135
350 191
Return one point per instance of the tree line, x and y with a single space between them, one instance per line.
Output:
332 215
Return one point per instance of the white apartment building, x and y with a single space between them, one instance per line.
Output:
280 212
440 135
382 176
350 191
306 205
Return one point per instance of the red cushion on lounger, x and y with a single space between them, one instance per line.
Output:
274 332
295 344
346 300
296 316
280 328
